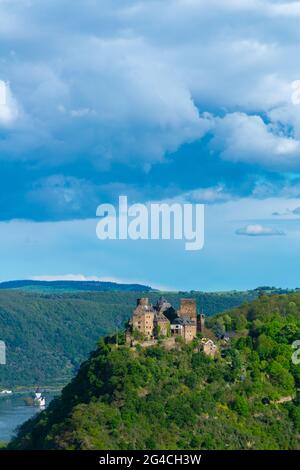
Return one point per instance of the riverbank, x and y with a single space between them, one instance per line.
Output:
31 389
20 390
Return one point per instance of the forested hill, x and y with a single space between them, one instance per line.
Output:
152 398
61 286
49 333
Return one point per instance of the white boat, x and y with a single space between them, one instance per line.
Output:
39 399
6 392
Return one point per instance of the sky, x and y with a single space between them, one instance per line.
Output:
180 100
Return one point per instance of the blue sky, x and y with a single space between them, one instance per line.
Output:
175 100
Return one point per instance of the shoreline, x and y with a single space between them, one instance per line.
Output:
31 389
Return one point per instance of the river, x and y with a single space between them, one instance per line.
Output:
14 411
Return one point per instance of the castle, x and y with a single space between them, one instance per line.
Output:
162 320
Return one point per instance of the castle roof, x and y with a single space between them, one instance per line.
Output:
183 321
143 309
159 316
162 304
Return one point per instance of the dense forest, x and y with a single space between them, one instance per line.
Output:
69 286
153 398
49 334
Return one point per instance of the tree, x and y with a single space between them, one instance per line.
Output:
240 323
265 346
240 405
281 377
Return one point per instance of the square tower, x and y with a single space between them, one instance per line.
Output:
188 309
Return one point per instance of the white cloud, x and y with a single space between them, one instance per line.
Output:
209 195
80 277
136 73
8 106
65 277
291 9
243 138
257 230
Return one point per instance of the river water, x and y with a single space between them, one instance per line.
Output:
14 412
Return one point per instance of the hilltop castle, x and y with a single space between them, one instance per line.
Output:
162 320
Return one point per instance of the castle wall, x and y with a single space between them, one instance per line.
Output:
144 323
162 327
189 332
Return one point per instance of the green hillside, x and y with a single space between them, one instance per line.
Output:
49 334
180 399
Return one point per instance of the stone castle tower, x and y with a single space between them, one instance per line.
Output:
201 323
188 309
143 302
143 317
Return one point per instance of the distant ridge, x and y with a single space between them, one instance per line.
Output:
73 286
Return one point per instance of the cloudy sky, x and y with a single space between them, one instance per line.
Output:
159 100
